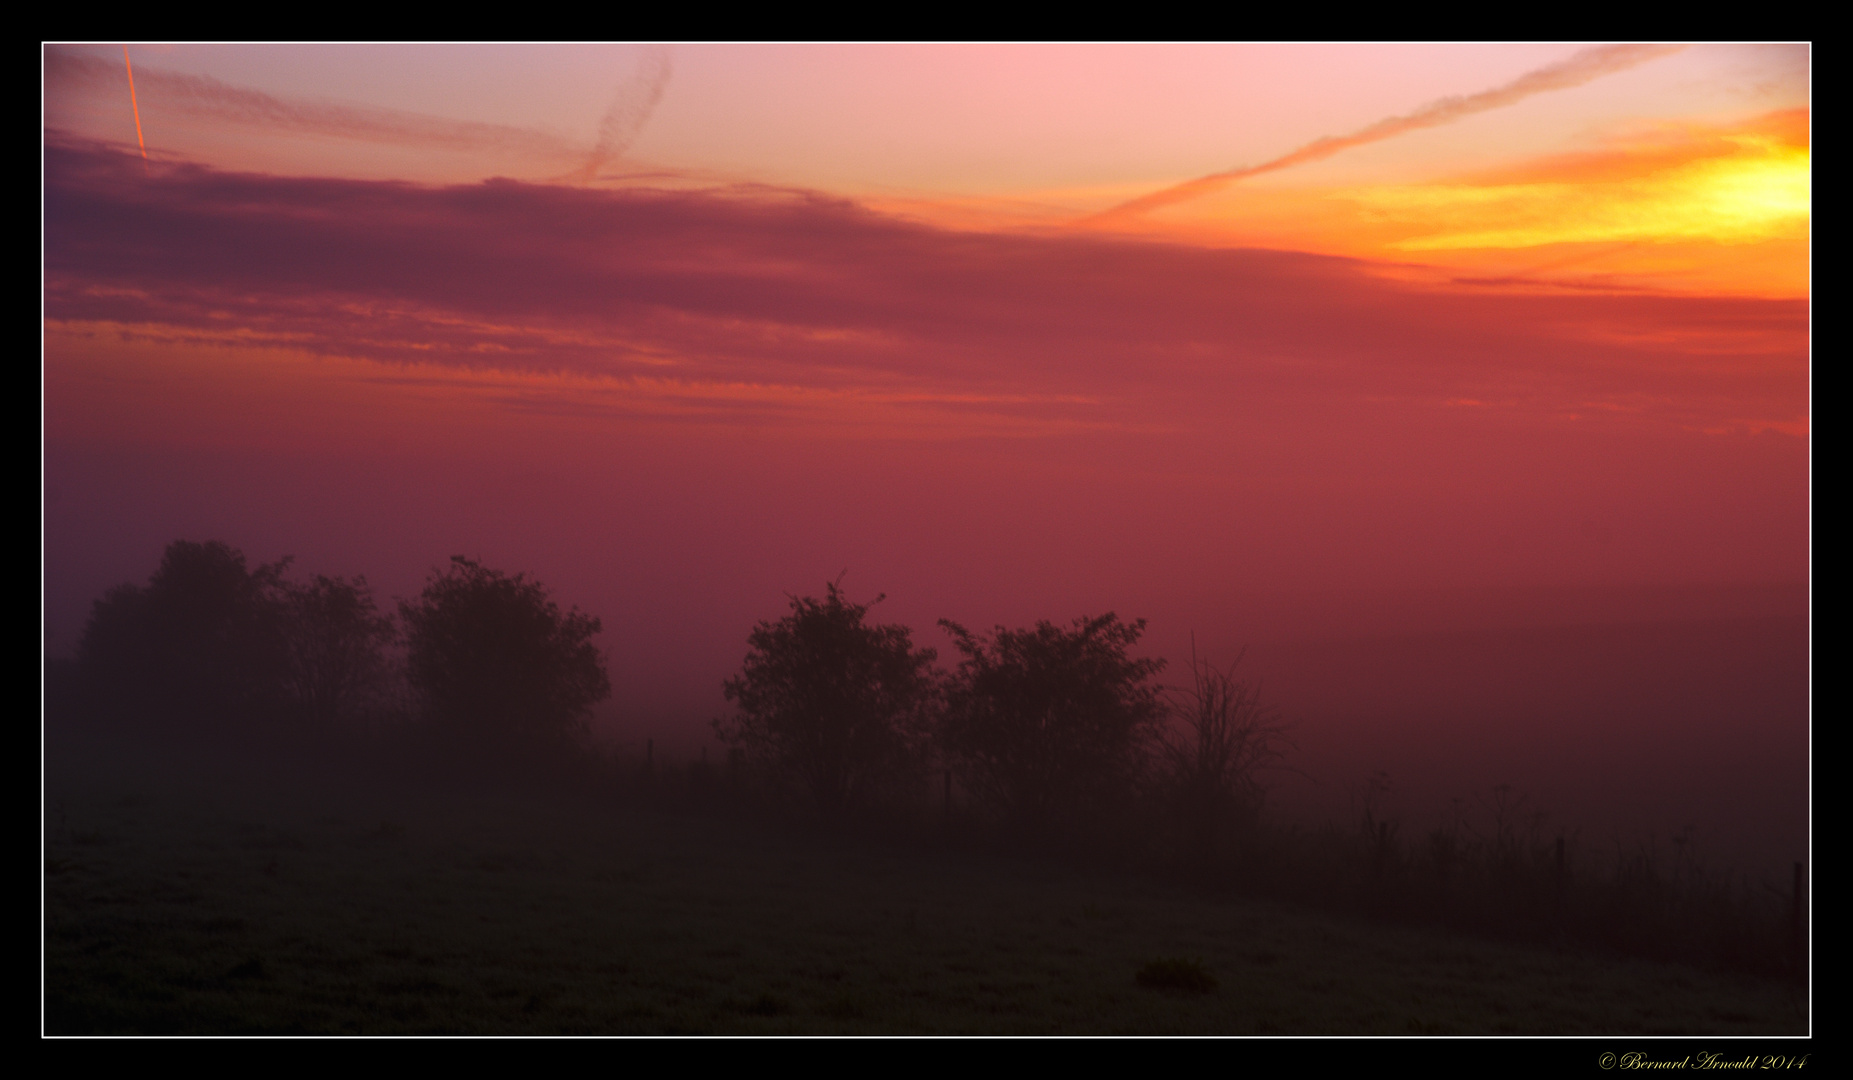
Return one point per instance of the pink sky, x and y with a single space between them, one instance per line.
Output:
682 329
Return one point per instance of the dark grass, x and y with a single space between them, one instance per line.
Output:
280 896
1648 899
1187 976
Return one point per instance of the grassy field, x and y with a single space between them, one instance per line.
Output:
193 901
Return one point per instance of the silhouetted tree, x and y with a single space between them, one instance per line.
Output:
826 697
337 641
493 656
202 644
1051 723
1213 757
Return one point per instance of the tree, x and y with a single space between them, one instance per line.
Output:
493 656
1051 723
826 697
1214 756
202 644
337 641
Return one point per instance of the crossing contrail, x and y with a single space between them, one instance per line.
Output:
629 110
206 97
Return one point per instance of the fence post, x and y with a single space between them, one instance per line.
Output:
1798 937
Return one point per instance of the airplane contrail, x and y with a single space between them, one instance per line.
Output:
1584 66
202 95
133 104
629 110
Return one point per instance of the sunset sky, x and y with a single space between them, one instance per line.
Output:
1227 337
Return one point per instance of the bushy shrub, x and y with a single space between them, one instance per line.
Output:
203 644
831 700
337 648
492 657
1051 724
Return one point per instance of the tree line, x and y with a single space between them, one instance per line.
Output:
1045 725
211 643
1048 725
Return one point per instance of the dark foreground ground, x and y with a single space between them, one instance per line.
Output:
184 899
